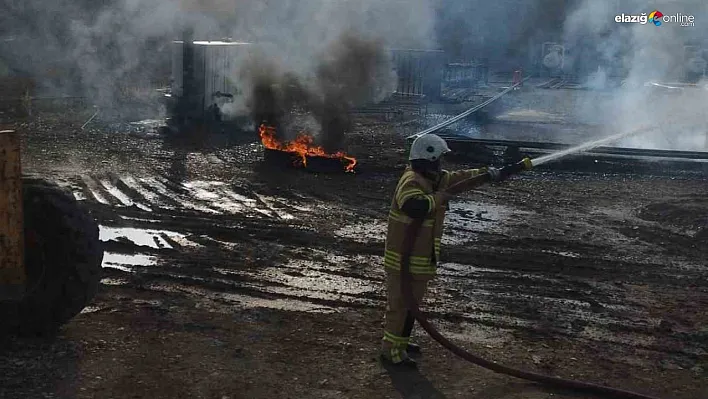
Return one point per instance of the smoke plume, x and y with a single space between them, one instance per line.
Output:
322 55
351 72
502 32
648 61
95 46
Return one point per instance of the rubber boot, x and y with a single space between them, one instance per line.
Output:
398 358
413 348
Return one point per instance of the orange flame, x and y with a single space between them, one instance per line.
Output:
302 146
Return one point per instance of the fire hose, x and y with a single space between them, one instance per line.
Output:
407 290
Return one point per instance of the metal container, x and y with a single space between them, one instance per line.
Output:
214 67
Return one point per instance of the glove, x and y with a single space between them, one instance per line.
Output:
494 173
514 168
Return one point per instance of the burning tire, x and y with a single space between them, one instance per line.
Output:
302 152
63 258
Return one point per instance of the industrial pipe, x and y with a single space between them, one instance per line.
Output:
12 271
407 290
466 113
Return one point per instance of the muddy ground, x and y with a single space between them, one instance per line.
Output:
230 277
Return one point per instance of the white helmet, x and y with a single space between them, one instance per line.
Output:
429 147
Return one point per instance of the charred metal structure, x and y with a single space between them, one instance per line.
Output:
419 72
202 82
426 74
465 74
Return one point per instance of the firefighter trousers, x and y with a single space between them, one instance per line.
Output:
398 322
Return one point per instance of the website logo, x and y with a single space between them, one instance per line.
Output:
655 17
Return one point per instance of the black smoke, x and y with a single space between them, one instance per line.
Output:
351 72
506 33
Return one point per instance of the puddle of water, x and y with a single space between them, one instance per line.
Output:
143 235
114 281
140 237
92 187
249 302
139 219
201 189
79 196
447 267
114 191
152 302
148 123
301 208
184 242
480 334
100 198
127 262
337 259
147 194
462 219
316 281
143 207
475 215
219 196
280 304
121 196
224 244
269 203
599 333
567 254
465 218
687 265
335 263
364 232
241 198
501 320
162 189
205 196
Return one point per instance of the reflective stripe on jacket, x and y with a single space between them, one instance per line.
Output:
426 250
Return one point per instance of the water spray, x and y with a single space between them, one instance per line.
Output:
589 146
527 163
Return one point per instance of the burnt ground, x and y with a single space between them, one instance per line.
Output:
229 277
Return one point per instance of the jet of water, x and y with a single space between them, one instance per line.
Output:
588 146
456 188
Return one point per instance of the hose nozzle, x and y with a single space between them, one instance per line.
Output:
527 162
514 168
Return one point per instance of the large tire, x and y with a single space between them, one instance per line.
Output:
63 256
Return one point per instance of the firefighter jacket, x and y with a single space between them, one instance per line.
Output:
426 250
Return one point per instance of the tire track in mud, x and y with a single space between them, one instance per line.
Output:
241 247
93 191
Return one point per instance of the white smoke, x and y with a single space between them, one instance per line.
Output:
101 47
649 60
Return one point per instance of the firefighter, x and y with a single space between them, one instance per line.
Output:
420 194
